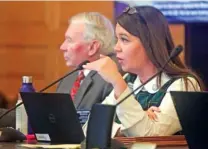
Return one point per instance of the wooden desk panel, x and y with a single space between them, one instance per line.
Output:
173 147
172 142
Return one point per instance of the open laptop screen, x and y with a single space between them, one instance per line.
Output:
192 110
53 117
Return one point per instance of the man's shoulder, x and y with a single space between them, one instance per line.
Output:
96 77
8 120
2 110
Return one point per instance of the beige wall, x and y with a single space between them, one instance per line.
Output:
30 36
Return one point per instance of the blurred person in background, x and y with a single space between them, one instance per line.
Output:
88 35
8 120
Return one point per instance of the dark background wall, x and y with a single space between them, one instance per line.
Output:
196 42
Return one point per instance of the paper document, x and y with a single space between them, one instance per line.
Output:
62 146
143 146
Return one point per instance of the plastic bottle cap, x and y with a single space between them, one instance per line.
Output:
30 137
27 79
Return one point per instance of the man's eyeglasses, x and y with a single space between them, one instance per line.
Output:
130 10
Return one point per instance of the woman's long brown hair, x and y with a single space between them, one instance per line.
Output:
151 27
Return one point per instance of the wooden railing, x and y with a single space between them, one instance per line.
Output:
177 140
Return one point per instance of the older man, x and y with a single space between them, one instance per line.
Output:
89 35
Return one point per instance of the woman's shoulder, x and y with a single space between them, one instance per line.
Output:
185 83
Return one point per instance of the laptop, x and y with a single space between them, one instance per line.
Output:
192 110
53 117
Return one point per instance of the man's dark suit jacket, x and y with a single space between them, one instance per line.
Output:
8 120
92 90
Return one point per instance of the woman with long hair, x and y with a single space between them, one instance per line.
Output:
144 44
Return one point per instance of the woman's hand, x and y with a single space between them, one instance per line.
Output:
119 134
151 114
107 68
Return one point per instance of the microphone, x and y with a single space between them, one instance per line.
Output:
173 54
79 67
102 115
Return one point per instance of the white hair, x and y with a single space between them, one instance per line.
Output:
98 27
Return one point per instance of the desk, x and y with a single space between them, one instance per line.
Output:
164 142
7 145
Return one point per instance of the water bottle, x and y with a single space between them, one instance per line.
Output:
22 123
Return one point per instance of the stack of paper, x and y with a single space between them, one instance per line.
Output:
143 146
62 146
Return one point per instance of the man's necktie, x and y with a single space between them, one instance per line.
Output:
76 84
